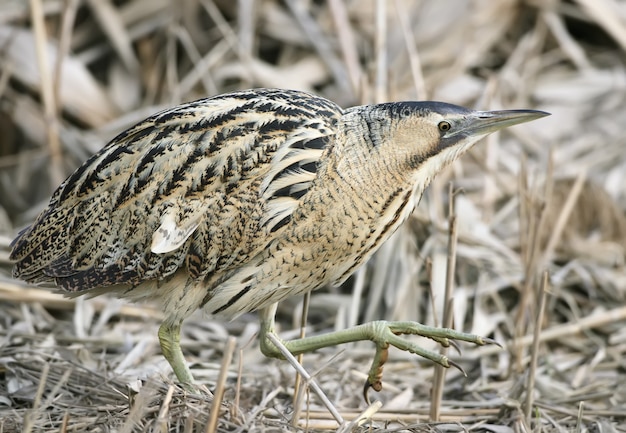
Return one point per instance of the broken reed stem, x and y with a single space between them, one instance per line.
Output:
64 422
535 224
564 214
47 93
247 17
214 413
310 381
237 399
297 395
439 372
534 352
579 417
68 16
431 294
29 419
57 386
362 418
162 419
381 84
347 43
451 259
322 45
411 48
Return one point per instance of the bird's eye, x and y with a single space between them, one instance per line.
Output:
444 126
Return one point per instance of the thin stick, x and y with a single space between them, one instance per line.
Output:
534 352
579 417
59 383
47 93
538 218
326 52
347 43
235 408
246 14
364 416
381 51
310 381
28 419
297 395
439 374
431 294
357 294
524 220
564 215
163 412
225 29
64 422
440 371
229 349
451 262
113 26
414 58
67 23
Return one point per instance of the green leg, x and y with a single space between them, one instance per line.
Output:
169 337
382 333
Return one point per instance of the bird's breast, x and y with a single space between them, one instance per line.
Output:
337 229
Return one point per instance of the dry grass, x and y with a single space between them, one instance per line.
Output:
538 219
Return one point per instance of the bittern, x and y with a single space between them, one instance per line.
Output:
236 202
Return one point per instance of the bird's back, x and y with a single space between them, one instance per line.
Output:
201 188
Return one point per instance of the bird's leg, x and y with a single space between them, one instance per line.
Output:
169 337
268 348
382 333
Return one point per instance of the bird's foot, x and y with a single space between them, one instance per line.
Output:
385 334
382 333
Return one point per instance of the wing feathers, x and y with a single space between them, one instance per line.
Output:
204 185
177 223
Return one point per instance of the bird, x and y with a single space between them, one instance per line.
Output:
235 202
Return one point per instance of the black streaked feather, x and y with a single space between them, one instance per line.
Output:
98 228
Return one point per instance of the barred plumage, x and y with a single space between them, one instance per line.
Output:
233 203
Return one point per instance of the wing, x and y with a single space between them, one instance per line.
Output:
204 186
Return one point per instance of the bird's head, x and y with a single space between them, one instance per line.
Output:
421 138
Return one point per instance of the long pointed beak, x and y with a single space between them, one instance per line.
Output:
486 122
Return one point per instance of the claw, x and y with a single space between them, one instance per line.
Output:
457 366
455 345
376 385
485 340
375 376
366 388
